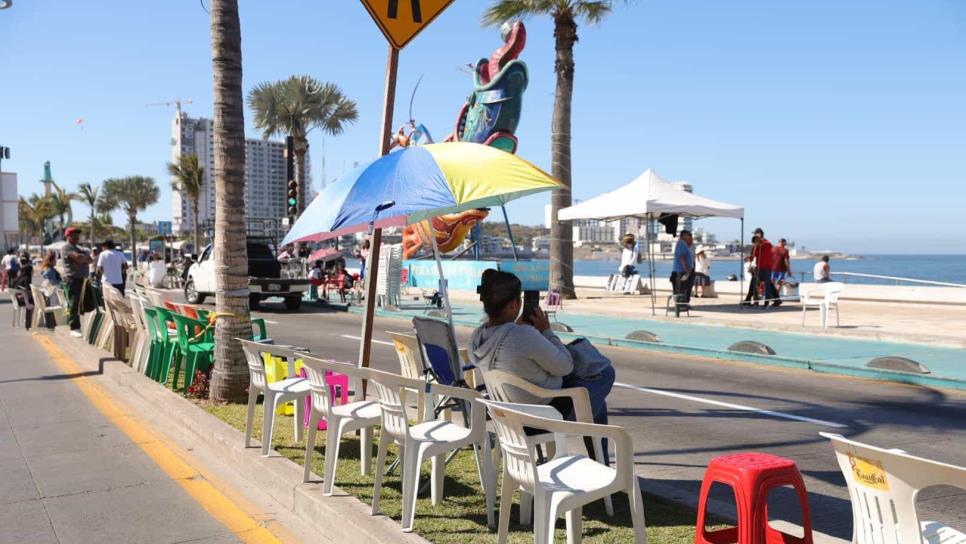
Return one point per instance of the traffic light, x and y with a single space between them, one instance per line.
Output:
293 197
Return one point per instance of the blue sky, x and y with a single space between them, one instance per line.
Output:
836 124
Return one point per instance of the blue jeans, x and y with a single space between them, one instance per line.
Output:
598 387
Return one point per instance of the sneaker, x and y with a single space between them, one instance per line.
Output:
76 334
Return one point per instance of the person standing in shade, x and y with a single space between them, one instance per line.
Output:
764 256
782 263
77 266
682 275
112 266
821 271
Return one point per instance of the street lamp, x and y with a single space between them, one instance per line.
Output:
4 4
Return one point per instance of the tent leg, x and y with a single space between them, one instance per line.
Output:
741 264
509 232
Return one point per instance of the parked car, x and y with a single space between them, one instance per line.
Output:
264 276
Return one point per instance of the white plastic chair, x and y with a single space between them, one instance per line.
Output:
142 340
410 364
428 439
276 393
883 485
566 483
41 308
825 298
361 415
501 385
18 308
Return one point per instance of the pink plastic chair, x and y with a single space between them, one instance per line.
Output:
333 380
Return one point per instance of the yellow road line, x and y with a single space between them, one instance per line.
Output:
196 484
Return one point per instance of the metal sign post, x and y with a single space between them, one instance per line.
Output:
400 21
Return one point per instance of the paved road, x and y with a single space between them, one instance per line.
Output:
683 410
67 474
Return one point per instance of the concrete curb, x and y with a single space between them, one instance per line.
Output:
195 429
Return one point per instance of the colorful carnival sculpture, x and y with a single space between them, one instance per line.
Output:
490 116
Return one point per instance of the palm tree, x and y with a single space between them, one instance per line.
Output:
40 210
31 222
132 194
60 202
229 378
565 14
296 106
188 176
88 194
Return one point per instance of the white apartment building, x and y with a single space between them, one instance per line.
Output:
265 172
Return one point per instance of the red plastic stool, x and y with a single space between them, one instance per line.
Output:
752 476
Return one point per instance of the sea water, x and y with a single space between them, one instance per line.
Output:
944 268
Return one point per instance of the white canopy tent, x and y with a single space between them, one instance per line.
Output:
649 197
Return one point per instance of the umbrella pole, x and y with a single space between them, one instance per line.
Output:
509 232
443 291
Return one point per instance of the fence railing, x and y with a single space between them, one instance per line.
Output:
844 277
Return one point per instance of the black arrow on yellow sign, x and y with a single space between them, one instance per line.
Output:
394 10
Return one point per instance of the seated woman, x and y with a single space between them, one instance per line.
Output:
529 349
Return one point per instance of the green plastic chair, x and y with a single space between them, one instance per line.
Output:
168 343
196 353
258 324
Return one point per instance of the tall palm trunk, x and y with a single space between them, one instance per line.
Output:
93 232
194 211
131 218
300 146
230 375
561 234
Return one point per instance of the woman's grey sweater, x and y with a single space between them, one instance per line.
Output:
539 358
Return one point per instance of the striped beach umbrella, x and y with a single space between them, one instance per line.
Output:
422 182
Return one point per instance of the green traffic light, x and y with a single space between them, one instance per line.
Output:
291 202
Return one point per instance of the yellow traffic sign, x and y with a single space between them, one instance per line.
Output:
401 20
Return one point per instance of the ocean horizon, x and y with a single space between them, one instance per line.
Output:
943 268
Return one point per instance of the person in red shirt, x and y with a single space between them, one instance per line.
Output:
782 264
764 255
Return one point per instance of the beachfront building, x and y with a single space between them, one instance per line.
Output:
265 173
684 223
540 244
9 213
602 233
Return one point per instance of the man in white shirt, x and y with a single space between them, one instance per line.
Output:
112 266
6 264
821 271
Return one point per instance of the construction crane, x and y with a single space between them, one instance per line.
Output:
177 102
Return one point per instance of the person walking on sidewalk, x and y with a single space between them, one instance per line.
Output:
8 267
112 266
682 275
77 266
782 263
764 257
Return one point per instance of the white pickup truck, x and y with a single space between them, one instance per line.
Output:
264 277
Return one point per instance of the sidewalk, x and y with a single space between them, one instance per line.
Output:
70 474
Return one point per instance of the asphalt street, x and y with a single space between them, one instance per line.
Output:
682 411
